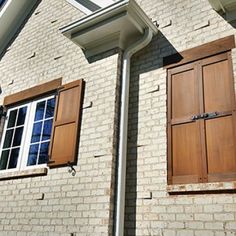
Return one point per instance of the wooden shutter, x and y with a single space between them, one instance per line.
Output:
64 141
220 126
202 149
184 141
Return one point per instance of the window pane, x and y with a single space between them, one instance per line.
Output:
43 155
36 132
12 119
21 116
3 161
47 129
13 158
17 137
50 108
8 138
39 111
32 157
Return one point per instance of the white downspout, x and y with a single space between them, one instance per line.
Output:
122 155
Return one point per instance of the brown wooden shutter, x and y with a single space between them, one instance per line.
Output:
184 138
64 141
202 149
220 130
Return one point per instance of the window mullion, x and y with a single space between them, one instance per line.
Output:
41 135
26 136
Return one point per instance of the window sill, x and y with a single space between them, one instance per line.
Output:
211 188
24 173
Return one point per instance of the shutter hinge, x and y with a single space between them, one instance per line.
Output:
3 112
51 161
71 169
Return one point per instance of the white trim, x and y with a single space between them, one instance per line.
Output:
29 133
26 136
79 6
86 10
12 15
23 136
117 25
4 7
103 3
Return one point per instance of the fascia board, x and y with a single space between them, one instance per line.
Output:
227 7
108 12
223 5
125 19
4 7
13 14
216 5
95 17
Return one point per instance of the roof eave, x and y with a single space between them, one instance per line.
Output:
12 15
109 27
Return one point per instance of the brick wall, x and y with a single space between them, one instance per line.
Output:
59 203
150 209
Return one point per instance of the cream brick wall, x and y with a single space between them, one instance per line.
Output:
60 204
150 210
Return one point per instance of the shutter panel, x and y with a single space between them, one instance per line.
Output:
202 149
64 141
184 138
220 130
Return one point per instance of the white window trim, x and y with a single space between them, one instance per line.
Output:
23 136
26 136
103 3
83 8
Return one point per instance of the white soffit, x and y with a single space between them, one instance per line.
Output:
12 15
117 25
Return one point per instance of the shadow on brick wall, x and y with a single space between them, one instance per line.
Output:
148 59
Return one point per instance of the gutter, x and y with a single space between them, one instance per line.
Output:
121 25
122 155
106 13
95 15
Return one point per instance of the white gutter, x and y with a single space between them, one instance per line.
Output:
95 15
116 26
105 13
122 155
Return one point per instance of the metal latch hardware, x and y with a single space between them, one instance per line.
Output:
205 116
212 115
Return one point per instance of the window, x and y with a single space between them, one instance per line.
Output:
27 134
43 129
90 6
202 121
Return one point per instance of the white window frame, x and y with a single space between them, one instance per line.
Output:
84 8
26 135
